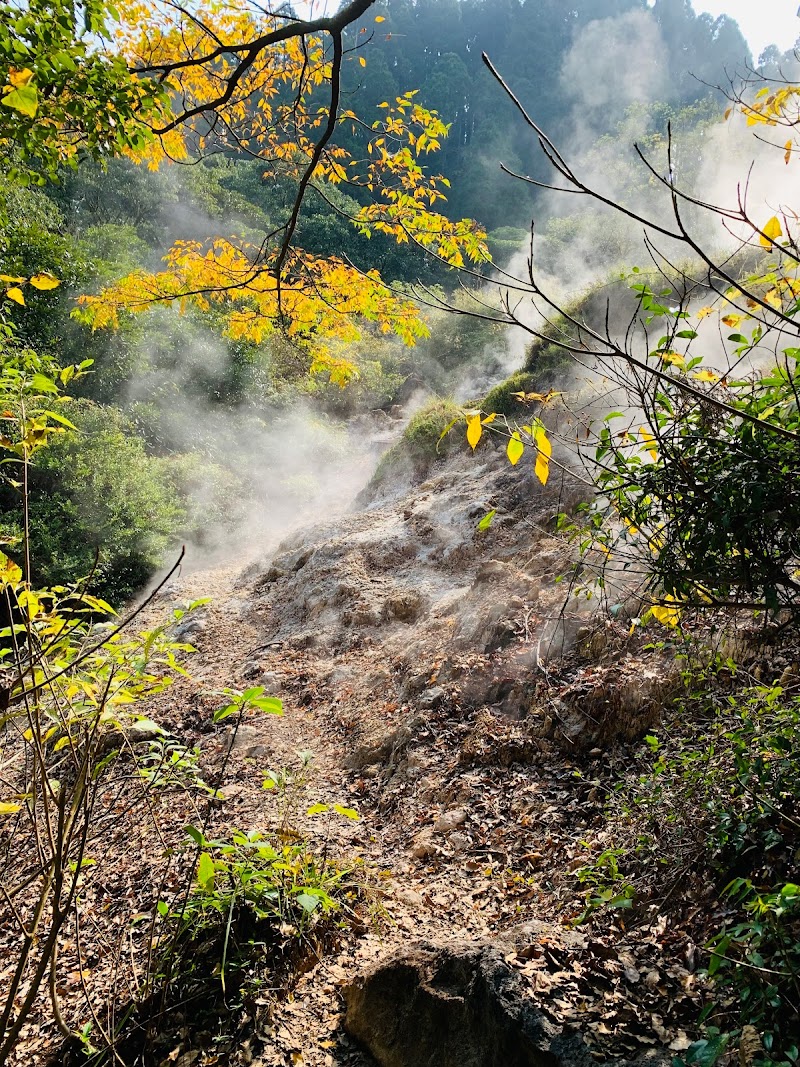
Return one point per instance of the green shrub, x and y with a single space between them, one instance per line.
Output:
421 443
502 400
505 242
719 799
97 491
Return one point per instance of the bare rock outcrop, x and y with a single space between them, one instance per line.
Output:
459 1005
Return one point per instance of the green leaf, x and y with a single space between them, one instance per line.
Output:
42 384
706 1053
195 834
25 100
224 713
60 419
254 691
486 521
205 871
308 903
269 705
317 809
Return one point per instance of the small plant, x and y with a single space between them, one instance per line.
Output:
252 899
608 886
756 963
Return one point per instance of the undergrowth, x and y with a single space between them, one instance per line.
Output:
711 803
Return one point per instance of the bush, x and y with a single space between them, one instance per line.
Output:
97 491
717 805
502 400
420 445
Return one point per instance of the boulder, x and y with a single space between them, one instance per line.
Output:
459 1005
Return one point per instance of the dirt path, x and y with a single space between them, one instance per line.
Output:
411 899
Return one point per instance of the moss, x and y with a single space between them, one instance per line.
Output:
421 443
422 437
549 364
501 399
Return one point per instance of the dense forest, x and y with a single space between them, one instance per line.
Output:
414 382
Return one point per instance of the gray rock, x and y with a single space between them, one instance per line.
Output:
272 682
459 842
188 627
247 741
459 1006
450 820
432 698
423 846
136 732
143 730
385 748
455 1006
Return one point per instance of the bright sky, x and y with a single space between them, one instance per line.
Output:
762 23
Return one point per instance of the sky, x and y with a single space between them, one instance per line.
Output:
762 23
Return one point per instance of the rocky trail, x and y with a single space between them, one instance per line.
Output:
431 681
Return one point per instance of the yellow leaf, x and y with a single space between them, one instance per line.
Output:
490 419
703 313
733 320
8 809
12 279
380 18
10 573
362 61
474 430
542 468
20 78
788 147
44 281
675 359
771 231
648 440
15 294
706 376
515 448
667 613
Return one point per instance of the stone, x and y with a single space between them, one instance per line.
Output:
450 820
454 1006
458 1005
135 732
383 748
189 627
272 683
432 698
423 846
143 730
247 741
459 842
